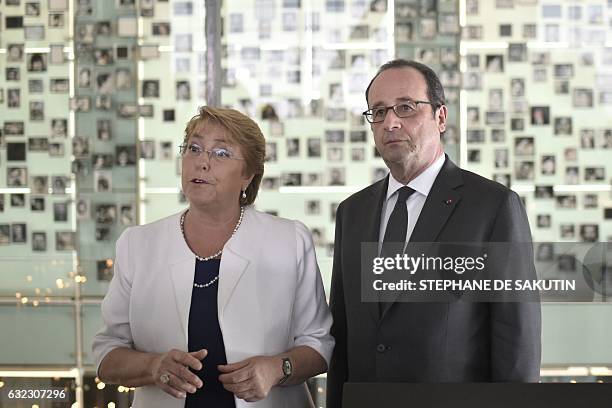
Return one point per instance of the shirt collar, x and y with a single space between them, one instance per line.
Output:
422 183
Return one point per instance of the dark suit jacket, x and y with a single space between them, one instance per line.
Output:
431 342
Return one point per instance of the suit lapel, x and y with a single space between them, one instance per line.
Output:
439 205
371 233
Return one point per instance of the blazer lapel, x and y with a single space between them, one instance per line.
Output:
182 270
439 205
235 259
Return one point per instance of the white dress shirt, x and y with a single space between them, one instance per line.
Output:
421 185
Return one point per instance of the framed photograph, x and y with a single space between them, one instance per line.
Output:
59 184
563 126
540 115
14 53
149 52
494 63
56 150
126 155
39 241
34 33
104 270
65 240
147 149
103 28
127 214
524 146
524 170
183 91
56 54
548 165
58 5
150 88
544 192
84 77
13 22
127 26
59 85
40 185
59 128
13 98
358 154
19 233
182 8
428 28
60 212
123 52
103 181
12 128
80 103
38 144
56 20
15 151
123 79
37 111
85 33
582 98
84 8
16 176
18 200
102 161
160 28
103 233
103 56
83 205
336 176
126 4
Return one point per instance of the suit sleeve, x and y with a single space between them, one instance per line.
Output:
515 326
116 331
338 370
311 318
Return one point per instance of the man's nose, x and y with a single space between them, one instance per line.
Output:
392 121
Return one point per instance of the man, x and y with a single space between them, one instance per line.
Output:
425 342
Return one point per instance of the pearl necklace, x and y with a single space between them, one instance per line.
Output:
208 258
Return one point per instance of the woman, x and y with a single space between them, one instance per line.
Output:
218 305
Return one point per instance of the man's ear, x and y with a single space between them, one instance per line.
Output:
441 116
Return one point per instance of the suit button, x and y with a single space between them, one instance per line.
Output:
381 348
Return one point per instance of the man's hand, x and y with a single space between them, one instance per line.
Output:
251 379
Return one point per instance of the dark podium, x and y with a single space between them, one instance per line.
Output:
477 395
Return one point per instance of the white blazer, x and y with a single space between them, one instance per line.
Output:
270 298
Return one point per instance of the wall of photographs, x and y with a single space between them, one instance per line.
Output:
301 68
428 31
94 97
537 80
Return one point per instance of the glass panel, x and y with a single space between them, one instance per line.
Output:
29 323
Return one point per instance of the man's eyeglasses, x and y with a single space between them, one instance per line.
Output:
216 153
402 110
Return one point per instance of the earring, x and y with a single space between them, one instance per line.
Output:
243 194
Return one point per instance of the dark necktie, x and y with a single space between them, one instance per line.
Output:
395 233
398 221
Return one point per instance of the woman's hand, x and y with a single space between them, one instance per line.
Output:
251 379
173 366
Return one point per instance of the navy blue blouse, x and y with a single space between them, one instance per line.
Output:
204 332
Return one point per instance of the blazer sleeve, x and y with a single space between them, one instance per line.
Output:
515 326
311 319
116 331
338 370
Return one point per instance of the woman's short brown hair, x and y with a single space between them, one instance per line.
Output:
245 133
